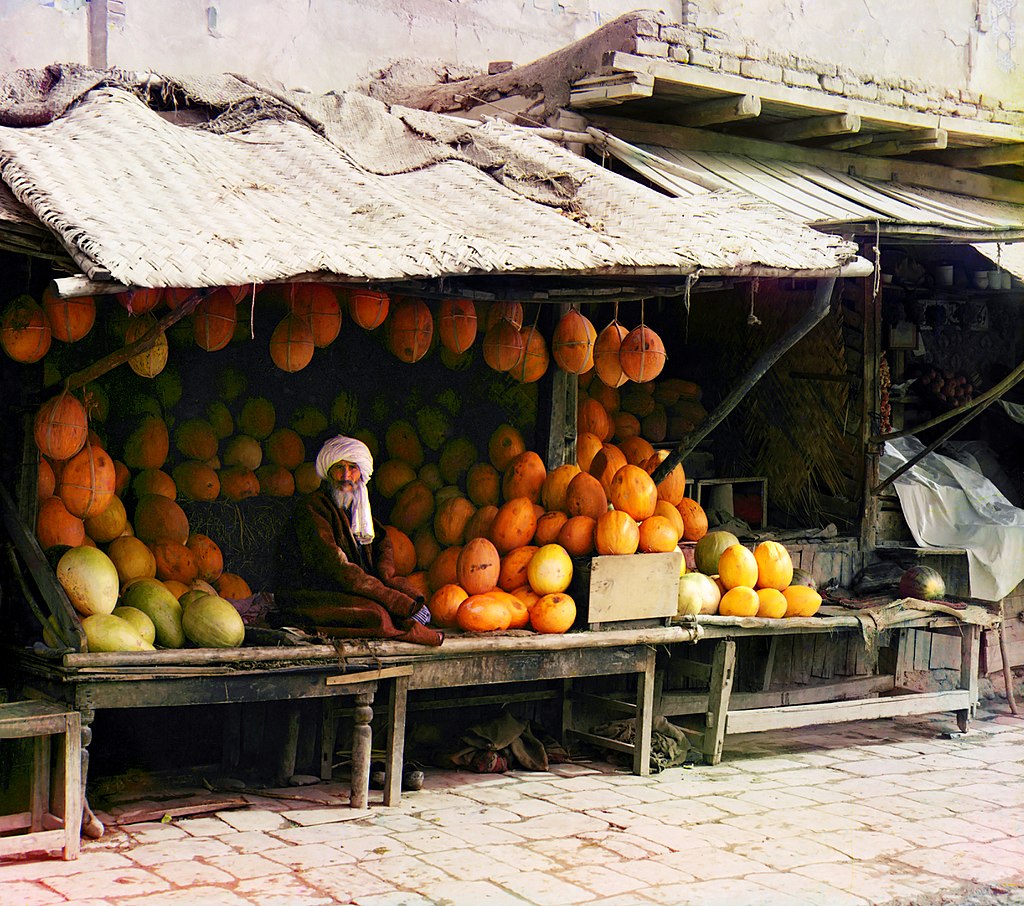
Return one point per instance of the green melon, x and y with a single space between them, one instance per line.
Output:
345 412
710 548
802 577
434 427
193 594
142 624
155 600
105 632
309 421
220 419
89 578
213 622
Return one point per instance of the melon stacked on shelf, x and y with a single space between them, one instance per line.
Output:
732 580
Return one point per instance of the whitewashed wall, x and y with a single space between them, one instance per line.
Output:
324 44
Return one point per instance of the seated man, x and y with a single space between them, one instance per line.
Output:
337 565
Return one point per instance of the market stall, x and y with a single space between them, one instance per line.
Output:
504 339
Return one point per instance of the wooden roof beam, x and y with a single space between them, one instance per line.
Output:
600 91
972 158
933 176
908 143
720 110
810 127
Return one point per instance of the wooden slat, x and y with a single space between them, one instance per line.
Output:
971 158
603 741
38 841
945 179
909 143
366 675
758 719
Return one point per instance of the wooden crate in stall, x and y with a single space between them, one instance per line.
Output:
619 592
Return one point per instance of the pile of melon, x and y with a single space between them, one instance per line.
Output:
732 580
507 529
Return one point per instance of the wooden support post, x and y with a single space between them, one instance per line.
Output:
819 308
290 743
362 745
398 699
722 669
231 746
74 785
40 781
644 717
969 656
328 736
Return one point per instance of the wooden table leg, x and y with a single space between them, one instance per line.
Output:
722 669
290 744
395 757
328 736
71 769
644 717
92 827
969 657
362 745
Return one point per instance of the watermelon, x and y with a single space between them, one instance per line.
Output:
345 412
157 602
923 583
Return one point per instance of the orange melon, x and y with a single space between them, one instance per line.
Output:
478 567
444 605
737 567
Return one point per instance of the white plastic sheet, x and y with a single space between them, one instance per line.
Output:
947 504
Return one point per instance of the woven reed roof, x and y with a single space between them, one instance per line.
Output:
274 185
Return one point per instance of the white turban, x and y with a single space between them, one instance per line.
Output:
348 449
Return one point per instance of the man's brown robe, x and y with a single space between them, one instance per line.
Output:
339 596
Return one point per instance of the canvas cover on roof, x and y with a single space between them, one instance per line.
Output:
278 184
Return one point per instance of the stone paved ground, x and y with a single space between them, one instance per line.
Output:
870 812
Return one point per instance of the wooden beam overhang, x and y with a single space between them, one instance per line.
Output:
933 176
721 110
976 158
810 127
908 143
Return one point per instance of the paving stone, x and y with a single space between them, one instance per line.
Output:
474 865
592 800
477 893
408 871
387 822
863 845
680 811
653 873
32 870
192 873
505 797
570 851
308 855
909 809
394 898
796 852
485 834
824 794
245 865
872 818
625 844
467 814
883 882
707 863
958 867
281 890
1008 793
345 882
202 827
193 896
625 899
1010 821
572 770
806 890
28 893
768 765
601 880
178 850
373 846
592 781
545 888
306 817
529 807
643 793
254 819
544 827
117 882
921 834
249 841
155 832
773 799
428 841
728 892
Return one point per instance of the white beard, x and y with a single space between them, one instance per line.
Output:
342 499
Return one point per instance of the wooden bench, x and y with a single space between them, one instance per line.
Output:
854 698
84 683
480 661
50 825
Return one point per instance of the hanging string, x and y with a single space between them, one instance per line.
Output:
252 314
752 319
615 312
